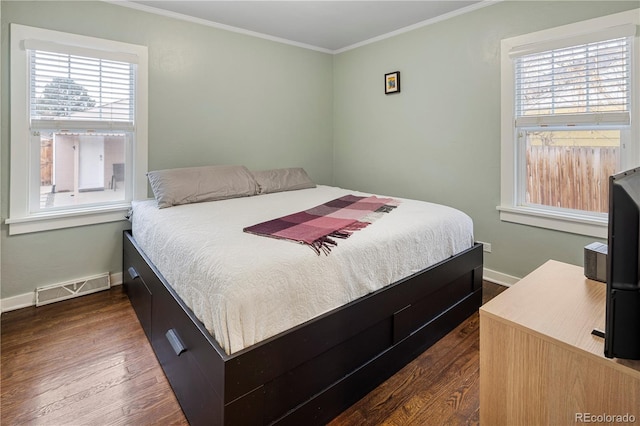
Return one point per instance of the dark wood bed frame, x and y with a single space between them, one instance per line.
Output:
313 372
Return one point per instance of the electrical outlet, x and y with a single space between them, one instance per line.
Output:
486 247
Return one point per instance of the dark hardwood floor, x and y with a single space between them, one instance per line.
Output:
86 361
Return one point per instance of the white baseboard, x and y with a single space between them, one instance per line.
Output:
499 278
17 302
29 299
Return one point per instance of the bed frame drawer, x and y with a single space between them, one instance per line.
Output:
136 287
175 349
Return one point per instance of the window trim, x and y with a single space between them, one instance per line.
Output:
21 220
559 219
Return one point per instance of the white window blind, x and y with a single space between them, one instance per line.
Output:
69 90
586 84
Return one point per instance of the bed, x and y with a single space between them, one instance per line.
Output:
256 330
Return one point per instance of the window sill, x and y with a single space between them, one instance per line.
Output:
574 223
67 219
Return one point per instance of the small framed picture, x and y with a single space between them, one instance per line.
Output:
392 83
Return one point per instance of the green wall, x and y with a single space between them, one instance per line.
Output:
439 139
215 97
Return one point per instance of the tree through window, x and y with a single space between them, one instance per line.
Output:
63 97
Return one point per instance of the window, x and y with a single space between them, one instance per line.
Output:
569 121
78 129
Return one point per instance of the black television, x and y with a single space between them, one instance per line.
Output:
622 323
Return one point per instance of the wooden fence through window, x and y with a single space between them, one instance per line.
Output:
570 177
46 161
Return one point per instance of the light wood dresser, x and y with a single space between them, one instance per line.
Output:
539 362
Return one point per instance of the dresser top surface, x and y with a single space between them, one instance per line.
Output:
556 301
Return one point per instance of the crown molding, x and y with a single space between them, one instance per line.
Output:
205 22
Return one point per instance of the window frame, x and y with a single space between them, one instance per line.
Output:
21 220
511 208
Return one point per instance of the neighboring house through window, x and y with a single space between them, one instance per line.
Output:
570 113
78 129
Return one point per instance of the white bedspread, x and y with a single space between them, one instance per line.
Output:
246 288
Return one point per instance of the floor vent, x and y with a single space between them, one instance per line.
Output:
70 289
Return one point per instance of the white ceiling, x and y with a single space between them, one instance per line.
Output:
323 25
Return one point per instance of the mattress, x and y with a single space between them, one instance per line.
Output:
246 288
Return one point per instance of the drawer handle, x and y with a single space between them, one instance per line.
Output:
133 273
175 342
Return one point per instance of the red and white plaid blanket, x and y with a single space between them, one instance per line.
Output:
317 226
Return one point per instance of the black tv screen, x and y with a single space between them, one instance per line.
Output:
622 324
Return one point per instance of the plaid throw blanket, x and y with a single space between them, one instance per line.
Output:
318 226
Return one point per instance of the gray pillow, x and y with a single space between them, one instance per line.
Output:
173 187
277 180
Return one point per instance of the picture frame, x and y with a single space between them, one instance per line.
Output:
392 83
